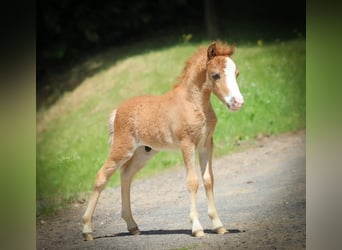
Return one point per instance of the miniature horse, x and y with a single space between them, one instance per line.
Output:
184 119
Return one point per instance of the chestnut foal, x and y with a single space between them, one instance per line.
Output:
184 119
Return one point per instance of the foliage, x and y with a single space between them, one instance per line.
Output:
67 27
68 31
72 134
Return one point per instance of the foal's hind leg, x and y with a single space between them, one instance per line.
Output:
115 160
139 159
205 157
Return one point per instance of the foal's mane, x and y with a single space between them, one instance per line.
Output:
196 63
224 49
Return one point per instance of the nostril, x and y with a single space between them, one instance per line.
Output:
238 101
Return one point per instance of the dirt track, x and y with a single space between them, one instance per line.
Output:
260 196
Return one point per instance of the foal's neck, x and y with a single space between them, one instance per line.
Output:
193 80
198 91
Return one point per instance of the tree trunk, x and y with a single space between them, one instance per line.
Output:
211 19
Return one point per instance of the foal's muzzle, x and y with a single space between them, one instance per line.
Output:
235 103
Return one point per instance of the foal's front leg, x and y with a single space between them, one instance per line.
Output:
188 151
205 157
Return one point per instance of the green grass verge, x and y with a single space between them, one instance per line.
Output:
72 134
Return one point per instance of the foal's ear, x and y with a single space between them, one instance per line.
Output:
211 51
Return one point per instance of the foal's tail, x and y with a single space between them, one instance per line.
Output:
111 126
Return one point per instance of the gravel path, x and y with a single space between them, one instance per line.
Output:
260 197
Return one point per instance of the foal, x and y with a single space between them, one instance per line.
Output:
184 119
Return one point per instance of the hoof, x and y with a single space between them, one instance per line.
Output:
198 233
87 236
221 230
134 231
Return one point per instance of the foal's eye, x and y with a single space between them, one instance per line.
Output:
216 76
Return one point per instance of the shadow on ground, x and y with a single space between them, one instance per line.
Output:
165 232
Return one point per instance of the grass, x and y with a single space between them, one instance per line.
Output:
72 134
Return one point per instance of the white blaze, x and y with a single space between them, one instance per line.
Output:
234 91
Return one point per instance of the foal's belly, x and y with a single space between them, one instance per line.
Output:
159 142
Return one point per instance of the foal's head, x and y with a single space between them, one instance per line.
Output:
222 74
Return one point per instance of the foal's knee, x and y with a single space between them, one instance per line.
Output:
208 182
193 184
